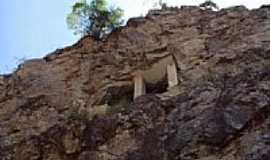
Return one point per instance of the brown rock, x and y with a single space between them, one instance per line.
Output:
51 108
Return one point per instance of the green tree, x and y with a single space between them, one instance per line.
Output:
94 18
208 4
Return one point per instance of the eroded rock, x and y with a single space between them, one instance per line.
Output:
77 102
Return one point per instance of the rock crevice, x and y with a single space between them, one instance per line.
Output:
77 103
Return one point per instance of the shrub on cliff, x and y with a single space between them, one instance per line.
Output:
208 4
94 18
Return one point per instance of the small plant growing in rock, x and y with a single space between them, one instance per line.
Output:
86 116
80 116
209 5
162 4
156 3
94 18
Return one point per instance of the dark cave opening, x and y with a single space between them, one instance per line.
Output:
158 87
118 97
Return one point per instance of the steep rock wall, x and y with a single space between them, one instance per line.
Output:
220 110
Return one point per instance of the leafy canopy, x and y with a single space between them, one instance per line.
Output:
208 4
94 18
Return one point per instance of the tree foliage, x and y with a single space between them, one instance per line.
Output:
94 18
208 4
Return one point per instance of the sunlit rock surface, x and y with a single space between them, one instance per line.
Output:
77 103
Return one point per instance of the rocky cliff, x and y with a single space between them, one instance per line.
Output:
77 103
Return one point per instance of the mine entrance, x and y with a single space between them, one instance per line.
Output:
158 87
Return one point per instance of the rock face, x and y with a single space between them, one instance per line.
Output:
77 103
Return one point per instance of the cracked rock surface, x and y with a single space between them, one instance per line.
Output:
77 103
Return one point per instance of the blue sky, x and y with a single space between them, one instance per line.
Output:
34 28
